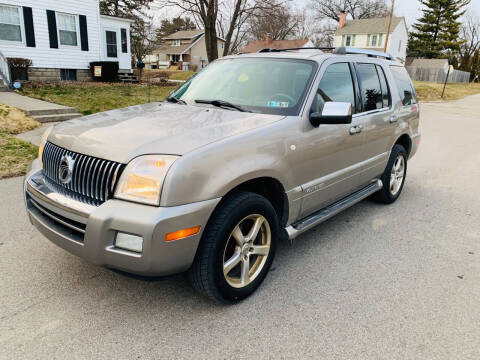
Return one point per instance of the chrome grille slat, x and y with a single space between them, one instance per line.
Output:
93 189
80 167
89 177
92 179
98 188
84 176
107 186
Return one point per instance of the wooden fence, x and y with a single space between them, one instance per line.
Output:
437 75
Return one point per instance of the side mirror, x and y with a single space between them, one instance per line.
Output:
333 113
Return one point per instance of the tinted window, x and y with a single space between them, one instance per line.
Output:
404 85
370 87
384 85
336 85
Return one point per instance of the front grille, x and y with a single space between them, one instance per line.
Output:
92 178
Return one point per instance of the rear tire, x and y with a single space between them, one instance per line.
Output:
394 176
237 248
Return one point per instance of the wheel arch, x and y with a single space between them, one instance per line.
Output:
271 189
406 141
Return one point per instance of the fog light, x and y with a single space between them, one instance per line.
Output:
129 242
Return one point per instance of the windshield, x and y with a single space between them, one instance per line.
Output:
271 86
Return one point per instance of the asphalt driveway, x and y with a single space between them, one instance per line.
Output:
376 282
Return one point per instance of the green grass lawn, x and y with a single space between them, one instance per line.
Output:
430 91
15 154
93 97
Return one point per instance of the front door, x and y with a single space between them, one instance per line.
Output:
330 153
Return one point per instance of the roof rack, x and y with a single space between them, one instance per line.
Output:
344 50
300 48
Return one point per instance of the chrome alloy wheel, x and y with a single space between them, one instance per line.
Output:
246 251
397 175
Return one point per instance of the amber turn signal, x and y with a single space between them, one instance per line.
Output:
180 234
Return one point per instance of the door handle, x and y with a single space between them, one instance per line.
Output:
355 129
393 118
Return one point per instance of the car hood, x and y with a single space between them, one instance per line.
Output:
155 128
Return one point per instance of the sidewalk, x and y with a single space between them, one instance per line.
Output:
41 111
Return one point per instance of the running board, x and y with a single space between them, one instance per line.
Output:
326 213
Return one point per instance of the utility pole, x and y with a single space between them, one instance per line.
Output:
389 26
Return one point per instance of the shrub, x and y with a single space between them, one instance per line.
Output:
109 70
19 68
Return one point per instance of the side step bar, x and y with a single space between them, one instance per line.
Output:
326 213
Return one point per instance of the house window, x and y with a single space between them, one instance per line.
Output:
374 40
223 45
123 33
348 40
67 29
10 28
177 43
68 74
111 43
399 45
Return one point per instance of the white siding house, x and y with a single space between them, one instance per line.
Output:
61 38
372 33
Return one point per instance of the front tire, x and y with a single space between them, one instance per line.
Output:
237 248
393 177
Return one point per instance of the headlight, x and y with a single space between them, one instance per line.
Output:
142 179
43 141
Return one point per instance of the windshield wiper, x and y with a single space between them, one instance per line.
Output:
221 103
173 99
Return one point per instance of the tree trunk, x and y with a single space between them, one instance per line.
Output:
211 30
233 23
211 43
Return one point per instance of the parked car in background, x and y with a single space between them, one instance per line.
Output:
253 149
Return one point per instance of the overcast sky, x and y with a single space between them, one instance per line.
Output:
411 9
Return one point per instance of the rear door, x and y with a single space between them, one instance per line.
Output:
376 118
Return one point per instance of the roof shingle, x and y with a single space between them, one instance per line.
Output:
369 26
184 34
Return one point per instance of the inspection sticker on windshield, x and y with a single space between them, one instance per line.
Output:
280 104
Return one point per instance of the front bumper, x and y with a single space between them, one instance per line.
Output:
89 231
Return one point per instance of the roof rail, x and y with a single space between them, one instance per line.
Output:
344 50
300 48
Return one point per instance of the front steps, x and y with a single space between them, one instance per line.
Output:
53 115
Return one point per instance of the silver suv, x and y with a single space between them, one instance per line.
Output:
253 149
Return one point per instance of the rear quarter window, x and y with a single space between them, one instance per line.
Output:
404 85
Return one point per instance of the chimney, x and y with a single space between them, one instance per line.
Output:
342 19
268 39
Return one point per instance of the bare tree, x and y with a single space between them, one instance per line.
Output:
469 51
470 33
277 21
357 9
228 16
143 37
205 12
